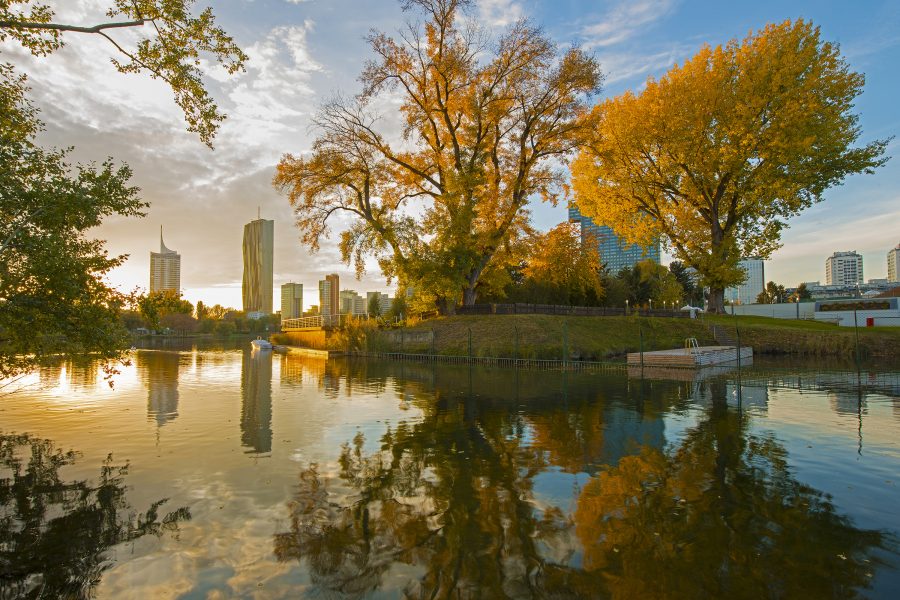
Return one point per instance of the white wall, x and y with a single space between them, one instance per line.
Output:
801 310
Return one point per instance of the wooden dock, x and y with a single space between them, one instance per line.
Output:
691 357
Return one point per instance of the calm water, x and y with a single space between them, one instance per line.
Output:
221 473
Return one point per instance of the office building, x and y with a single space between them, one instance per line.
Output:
352 303
330 295
844 268
165 269
291 300
614 252
754 283
259 250
893 258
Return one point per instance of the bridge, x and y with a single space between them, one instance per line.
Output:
311 323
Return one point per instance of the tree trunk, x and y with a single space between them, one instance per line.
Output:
469 294
716 300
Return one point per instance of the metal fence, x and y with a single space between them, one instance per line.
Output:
564 310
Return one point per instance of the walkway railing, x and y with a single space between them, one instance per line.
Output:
319 321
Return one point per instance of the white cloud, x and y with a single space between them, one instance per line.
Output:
624 20
499 13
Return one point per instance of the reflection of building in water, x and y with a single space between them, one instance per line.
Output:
83 374
159 372
847 404
295 368
256 401
626 432
49 374
751 396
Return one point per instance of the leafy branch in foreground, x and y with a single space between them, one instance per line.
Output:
53 297
170 52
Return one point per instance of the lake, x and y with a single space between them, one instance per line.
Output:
222 473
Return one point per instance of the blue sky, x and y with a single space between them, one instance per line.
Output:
302 52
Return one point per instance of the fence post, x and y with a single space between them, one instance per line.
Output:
737 330
516 328
856 331
470 343
641 330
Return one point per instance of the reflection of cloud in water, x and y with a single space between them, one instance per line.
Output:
256 401
159 372
225 552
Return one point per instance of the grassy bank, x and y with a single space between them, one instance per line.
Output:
812 338
541 336
603 338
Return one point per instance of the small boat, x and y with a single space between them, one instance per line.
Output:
261 344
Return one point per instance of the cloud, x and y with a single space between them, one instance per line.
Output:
624 66
499 13
624 20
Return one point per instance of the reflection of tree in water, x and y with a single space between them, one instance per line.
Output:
55 534
256 401
450 496
719 516
447 503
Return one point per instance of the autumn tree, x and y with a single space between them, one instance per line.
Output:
561 268
716 156
155 306
486 126
169 48
772 294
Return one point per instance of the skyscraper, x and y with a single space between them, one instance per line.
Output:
753 285
893 260
614 252
330 295
844 268
291 300
165 268
259 250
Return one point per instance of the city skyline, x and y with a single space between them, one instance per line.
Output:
301 52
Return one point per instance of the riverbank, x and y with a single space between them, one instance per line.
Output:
604 338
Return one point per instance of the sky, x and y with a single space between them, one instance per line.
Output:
303 52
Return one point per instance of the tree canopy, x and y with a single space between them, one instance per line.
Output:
485 128
53 296
715 156
171 51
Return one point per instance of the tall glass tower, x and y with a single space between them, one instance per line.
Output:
259 250
614 252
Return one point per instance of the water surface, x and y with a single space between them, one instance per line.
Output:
226 473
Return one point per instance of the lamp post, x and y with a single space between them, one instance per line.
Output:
651 303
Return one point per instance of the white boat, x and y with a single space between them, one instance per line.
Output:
261 344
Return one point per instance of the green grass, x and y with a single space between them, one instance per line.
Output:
602 338
811 338
544 336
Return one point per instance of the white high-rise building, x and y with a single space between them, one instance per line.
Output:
259 251
291 300
844 268
754 283
893 260
165 268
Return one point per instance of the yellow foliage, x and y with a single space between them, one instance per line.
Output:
715 156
